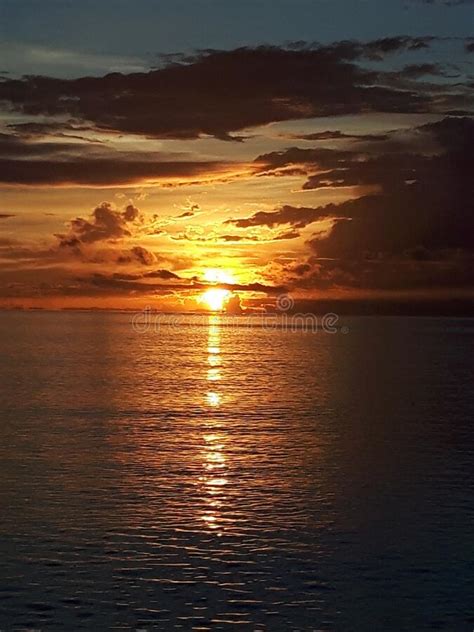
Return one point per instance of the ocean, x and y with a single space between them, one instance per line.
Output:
211 473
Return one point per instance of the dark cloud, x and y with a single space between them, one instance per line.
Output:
103 171
128 284
137 254
59 283
29 161
218 92
321 157
15 251
427 151
296 216
234 305
191 211
400 221
72 252
163 274
452 137
425 200
6 215
236 238
336 135
423 211
62 130
390 274
387 171
100 239
418 231
105 224
16 147
289 234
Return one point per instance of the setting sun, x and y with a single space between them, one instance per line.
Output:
215 299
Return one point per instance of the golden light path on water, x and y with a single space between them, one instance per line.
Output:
214 458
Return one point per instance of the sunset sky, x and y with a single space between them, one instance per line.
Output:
151 149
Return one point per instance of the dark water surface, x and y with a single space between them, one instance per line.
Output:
213 477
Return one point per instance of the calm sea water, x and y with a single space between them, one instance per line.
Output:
207 476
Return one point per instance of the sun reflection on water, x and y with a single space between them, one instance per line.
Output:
214 463
213 399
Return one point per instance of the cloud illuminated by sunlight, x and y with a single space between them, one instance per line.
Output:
215 275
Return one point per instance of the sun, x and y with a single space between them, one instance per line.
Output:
215 299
